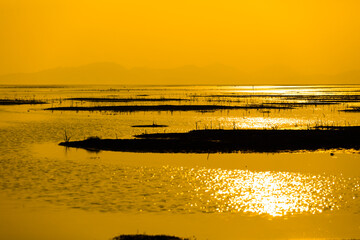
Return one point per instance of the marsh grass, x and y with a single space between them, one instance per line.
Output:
66 137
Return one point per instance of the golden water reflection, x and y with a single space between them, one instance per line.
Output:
275 193
260 123
114 188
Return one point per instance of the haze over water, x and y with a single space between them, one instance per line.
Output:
289 194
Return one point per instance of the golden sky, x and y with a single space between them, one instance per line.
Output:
308 36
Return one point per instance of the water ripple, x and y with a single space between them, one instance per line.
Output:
104 188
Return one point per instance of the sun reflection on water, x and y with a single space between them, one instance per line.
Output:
273 193
178 189
259 122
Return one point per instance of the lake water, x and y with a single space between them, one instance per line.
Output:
52 192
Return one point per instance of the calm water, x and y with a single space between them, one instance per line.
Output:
34 169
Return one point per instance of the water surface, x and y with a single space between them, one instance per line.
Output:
242 188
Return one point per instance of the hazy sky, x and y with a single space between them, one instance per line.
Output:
315 36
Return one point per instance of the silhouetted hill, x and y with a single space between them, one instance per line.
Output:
112 73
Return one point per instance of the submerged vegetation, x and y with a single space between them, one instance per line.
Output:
285 100
320 98
206 103
219 140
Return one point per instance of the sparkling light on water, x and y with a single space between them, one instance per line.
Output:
176 189
273 193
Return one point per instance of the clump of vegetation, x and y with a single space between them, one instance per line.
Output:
66 137
153 125
147 237
93 138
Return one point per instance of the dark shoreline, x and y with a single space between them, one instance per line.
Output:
127 99
20 102
227 141
351 109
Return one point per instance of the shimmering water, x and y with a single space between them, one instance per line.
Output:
34 169
177 189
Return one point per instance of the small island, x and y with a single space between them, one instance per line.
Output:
147 237
227 141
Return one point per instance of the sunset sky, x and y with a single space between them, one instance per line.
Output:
309 37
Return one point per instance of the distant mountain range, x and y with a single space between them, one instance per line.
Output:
112 73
